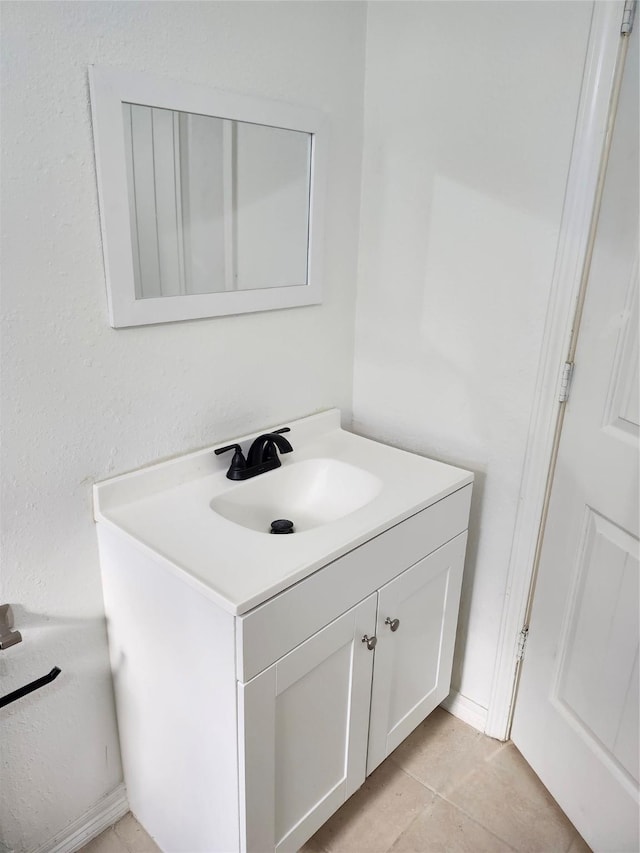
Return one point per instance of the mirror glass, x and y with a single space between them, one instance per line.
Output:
214 204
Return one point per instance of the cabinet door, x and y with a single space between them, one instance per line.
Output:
412 671
303 726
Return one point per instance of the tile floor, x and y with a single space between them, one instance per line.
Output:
446 789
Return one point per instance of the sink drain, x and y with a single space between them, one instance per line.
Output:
282 525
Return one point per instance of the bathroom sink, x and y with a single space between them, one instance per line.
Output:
308 493
339 489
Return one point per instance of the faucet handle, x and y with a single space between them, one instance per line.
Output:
238 463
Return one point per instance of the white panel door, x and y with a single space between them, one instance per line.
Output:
576 718
417 617
303 733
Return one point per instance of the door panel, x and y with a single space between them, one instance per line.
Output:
623 406
576 717
303 733
598 664
412 669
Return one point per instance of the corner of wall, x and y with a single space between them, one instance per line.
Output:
89 825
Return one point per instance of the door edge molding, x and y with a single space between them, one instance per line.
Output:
589 134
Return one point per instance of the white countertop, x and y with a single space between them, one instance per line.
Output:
166 510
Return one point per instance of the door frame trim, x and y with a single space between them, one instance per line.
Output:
580 193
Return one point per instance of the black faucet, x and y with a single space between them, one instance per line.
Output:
262 456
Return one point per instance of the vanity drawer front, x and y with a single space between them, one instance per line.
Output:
272 629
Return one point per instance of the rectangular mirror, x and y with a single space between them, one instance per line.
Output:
211 203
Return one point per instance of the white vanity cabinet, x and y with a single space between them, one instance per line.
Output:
259 679
314 724
412 671
303 732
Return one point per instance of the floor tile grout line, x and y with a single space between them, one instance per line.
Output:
411 823
457 808
489 760
477 822
415 778
446 799
462 779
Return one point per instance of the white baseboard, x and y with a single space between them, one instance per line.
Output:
95 820
466 709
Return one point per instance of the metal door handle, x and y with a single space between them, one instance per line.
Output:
394 624
370 641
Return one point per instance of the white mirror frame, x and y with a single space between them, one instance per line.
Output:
110 88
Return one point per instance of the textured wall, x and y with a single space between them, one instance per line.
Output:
468 136
83 401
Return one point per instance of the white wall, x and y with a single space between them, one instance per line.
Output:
469 115
83 401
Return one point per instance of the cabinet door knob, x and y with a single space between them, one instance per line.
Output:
370 641
394 624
